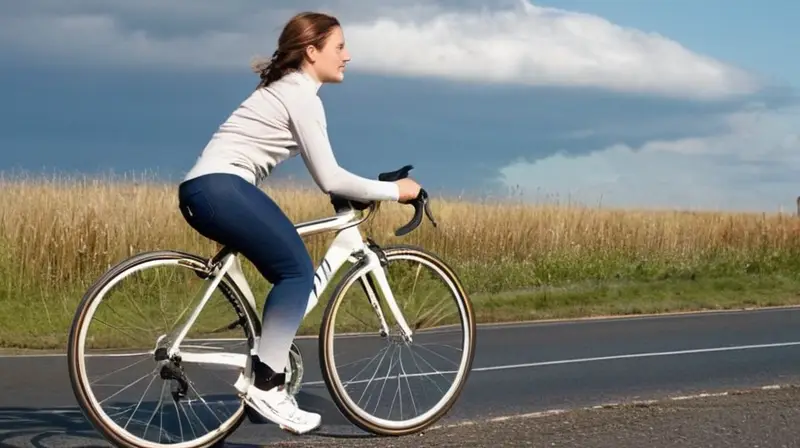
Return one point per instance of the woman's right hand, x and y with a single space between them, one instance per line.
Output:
409 189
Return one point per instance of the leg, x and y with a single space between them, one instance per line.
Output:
231 211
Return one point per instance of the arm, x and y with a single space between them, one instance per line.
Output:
308 126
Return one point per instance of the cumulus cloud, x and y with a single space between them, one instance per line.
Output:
753 166
518 43
541 46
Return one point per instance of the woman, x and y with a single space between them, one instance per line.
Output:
220 198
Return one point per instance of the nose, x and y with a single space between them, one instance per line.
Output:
346 55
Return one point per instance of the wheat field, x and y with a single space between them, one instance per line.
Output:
58 234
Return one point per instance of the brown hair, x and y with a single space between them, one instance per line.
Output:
302 30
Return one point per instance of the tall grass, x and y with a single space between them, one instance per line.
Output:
57 235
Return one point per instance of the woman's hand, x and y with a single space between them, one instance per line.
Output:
409 189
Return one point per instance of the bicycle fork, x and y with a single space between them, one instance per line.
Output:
374 272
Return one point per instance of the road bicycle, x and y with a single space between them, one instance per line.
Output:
170 355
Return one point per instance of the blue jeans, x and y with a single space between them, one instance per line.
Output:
233 212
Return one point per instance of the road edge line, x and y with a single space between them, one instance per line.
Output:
615 405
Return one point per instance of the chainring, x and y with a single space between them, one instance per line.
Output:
294 370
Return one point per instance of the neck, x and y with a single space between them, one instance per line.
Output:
305 69
310 76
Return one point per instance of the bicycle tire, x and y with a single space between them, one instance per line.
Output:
335 388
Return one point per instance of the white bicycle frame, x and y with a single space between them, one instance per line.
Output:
348 245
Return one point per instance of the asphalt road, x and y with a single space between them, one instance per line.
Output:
519 370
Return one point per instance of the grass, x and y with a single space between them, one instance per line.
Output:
518 261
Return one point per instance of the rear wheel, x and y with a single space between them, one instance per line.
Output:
406 375
119 321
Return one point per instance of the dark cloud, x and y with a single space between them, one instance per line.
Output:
191 17
456 135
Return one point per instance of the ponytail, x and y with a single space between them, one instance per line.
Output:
270 70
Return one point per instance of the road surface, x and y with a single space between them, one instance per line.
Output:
521 372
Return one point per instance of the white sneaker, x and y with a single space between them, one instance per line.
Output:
277 406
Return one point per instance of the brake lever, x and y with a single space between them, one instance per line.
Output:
428 211
420 204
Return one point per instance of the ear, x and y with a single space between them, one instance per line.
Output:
311 53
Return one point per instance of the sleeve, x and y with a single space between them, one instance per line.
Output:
309 127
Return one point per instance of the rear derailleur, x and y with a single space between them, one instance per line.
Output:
172 369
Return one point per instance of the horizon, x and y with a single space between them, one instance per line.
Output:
306 186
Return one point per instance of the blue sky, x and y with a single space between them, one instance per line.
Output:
687 104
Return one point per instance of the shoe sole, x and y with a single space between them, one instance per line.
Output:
255 416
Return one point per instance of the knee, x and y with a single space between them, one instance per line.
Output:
299 269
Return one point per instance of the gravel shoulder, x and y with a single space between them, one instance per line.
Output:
750 418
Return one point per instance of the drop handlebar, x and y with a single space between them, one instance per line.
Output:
421 203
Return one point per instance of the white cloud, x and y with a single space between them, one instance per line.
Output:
523 44
540 46
755 166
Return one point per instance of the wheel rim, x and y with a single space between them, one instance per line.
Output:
140 421
377 365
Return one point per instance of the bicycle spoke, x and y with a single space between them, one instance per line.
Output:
121 369
140 402
128 386
157 409
402 369
373 375
428 377
370 363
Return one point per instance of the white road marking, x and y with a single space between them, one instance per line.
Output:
594 359
637 355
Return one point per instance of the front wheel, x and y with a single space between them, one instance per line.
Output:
363 364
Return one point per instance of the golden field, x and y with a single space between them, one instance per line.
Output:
57 235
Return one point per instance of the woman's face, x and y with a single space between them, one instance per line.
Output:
329 62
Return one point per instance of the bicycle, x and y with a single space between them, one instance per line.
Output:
172 352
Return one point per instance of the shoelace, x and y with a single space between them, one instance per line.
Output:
288 398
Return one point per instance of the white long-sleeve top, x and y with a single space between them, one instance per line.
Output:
276 123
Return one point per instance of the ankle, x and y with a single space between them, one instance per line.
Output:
266 378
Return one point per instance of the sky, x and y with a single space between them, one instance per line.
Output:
659 104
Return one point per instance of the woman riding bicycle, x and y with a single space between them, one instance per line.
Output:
220 196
